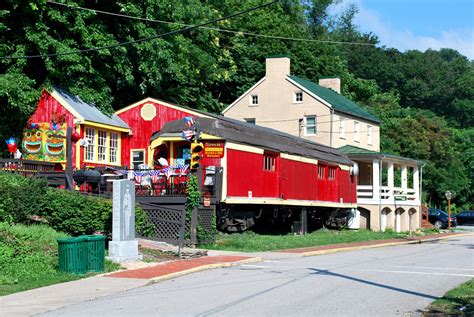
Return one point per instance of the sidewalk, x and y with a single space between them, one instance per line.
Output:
48 298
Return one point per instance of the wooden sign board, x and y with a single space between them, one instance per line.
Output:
214 149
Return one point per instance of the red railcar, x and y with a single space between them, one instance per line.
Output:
267 175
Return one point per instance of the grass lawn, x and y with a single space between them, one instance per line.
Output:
28 258
252 242
457 301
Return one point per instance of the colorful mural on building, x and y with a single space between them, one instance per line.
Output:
45 141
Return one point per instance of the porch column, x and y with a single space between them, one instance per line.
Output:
390 177
404 178
375 179
416 182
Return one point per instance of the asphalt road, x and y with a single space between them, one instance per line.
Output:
390 281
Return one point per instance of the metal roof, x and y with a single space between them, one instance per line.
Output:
89 112
338 101
250 134
354 151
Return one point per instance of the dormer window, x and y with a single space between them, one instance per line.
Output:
298 97
254 100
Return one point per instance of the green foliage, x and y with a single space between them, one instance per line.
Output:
457 302
252 242
70 212
20 197
28 258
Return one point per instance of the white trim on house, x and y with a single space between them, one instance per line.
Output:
243 95
309 92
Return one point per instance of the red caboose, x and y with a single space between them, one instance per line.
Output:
266 175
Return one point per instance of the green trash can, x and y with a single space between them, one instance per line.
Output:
72 255
95 245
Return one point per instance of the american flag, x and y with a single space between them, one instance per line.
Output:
182 169
188 134
188 121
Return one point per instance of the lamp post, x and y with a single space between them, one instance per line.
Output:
448 197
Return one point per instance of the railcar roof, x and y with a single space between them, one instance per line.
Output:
251 134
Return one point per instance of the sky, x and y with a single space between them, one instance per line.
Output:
418 24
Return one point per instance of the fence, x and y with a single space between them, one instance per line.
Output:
25 167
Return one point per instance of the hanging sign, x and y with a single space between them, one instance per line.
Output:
214 149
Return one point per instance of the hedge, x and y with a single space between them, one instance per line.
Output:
21 199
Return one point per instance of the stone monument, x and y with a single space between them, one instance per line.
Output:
123 246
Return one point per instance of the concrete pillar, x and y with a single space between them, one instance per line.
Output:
404 177
390 177
416 182
375 179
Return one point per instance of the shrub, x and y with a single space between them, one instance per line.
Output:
70 212
20 197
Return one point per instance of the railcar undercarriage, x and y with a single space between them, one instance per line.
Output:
268 218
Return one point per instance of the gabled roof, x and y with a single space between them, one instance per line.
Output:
163 103
354 151
251 134
85 111
337 101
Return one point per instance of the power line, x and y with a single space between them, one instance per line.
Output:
146 38
210 28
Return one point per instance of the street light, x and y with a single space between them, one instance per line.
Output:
448 197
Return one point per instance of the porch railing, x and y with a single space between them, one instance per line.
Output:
387 193
25 167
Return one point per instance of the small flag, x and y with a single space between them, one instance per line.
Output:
183 169
188 121
188 134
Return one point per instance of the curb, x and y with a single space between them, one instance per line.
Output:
202 268
362 247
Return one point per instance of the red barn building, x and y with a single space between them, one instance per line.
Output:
117 140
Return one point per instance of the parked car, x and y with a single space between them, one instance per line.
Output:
466 217
439 218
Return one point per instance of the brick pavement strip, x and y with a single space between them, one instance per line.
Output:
181 267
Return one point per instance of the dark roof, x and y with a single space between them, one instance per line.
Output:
90 112
250 134
338 101
354 151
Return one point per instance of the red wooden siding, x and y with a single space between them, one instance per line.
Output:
143 129
47 107
245 173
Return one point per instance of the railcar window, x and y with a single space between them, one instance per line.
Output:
269 163
321 172
332 173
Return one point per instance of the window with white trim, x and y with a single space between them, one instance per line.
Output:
298 97
356 131
369 134
321 172
332 173
254 100
269 163
309 125
342 127
138 157
113 148
102 146
90 149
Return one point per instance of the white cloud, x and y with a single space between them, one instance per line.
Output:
461 40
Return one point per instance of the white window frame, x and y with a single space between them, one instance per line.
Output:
252 101
306 126
132 161
356 131
342 127
113 147
89 151
331 173
102 146
297 94
369 135
321 172
269 163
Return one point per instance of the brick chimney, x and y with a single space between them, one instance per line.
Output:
333 83
277 66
